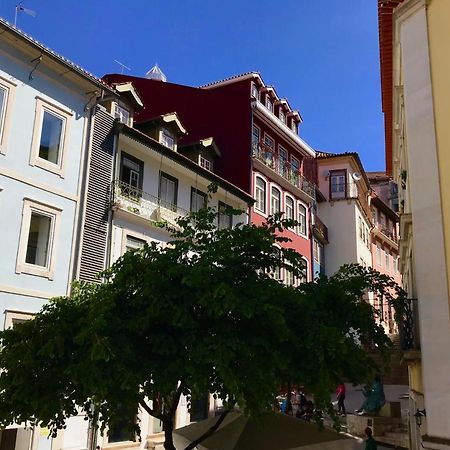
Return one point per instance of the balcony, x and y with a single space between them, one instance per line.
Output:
136 202
320 230
385 234
408 327
284 169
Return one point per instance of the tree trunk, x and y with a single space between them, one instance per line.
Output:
168 436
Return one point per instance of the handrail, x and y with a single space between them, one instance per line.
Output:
284 168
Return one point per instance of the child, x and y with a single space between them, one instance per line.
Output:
370 442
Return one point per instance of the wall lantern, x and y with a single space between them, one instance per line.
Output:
418 416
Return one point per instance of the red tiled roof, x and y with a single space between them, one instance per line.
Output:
385 33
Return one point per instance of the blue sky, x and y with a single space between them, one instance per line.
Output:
320 54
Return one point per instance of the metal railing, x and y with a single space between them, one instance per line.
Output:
320 228
136 201
284 168
408 326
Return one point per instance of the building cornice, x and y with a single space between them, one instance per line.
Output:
282 128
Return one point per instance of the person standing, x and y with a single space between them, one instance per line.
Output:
340 395
370 441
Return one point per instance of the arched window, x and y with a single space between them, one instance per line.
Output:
275 200
289 208
302 219
303 278
260 195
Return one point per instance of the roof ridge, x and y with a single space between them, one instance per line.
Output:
232 77
93 78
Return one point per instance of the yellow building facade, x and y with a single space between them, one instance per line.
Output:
415 69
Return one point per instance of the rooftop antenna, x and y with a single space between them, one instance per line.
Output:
20 8
122 66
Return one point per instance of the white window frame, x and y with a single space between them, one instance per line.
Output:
11 316
294 126
54 213
118 108
259 211
307 271
299 207
65 115
269 104
5 114
254 89
282 115
205 163
286 197
269 138
378 255
166 132
387 261
272 187
133 234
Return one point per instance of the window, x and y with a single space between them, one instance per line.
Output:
256 135
294 126
131 175
225 219
338 184
199 407
382 219
301 219
361 229
282 116
269 104
122 113
276 273
49 137
269 142
134 243
255 92
282 160
304 272
205 163
36 245
395 264
119 431
260 195
374 216
295 163
13 318
289 208
289 277
388 260
198 200
168 191
7 91
318 251
167 138
275 201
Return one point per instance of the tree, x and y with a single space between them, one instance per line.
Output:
204 313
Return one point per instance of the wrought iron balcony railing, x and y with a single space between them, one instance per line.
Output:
408 326
135 201
284 168
320 228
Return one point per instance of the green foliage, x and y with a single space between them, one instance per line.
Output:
201 314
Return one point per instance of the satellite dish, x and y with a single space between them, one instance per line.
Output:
356 176
326 174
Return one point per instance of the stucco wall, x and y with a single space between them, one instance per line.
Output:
21 180
425 195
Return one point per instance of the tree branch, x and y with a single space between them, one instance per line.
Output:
151 411
176 399
209 432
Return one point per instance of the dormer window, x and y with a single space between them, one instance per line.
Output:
294 126
167 138
122 113
282 116
269 104
255 92
205 163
